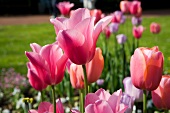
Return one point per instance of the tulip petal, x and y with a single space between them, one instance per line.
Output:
77 16
138 69
91 98
35 47
44 107
102 94
74 46
100 25
32 111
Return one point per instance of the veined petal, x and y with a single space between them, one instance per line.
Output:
44 107
77 16
91 98
35 47
102 94
74 45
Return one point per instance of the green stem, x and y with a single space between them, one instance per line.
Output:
137 43
85 80
54 99
144 101
42 99
81 101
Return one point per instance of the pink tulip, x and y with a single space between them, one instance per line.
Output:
117 16
47 63
155 28
78 35
107 32
135 8
146 67
124 6
47 107
96 13
137 31
102 102
65 7
160 96
76 76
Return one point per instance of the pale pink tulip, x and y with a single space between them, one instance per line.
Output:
124 6
146 67
78 34
47 63
137 31
65 7
47 107
102 102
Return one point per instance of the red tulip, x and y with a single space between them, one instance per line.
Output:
135 8
47 63
96 13
155 28
65 7
124 6
146 67
137 31
160 96
78 35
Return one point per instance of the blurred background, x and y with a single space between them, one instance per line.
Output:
34 7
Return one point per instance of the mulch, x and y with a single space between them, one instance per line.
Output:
37 19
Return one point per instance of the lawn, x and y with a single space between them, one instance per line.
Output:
16 39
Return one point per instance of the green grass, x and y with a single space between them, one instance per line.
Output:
16 39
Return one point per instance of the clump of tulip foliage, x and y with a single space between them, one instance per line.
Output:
104 79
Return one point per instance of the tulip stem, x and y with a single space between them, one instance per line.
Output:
144 101
81 101
54 99
42 96
85 80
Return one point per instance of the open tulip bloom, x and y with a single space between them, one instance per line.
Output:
78 35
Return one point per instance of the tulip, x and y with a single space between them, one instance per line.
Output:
47 63
101 101
78 35
155 28
47 107
135 8
128 101
123 19
117 16
96 13
95 67
114 27
93 70
160 96
136 20
131 90
65 7
121 38
107 32
124 6
146 67
137 31
100 82
76 76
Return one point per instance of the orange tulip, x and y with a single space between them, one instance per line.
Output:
146 67
95 67
160 96
76 76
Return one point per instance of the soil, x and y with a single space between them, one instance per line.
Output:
36 19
